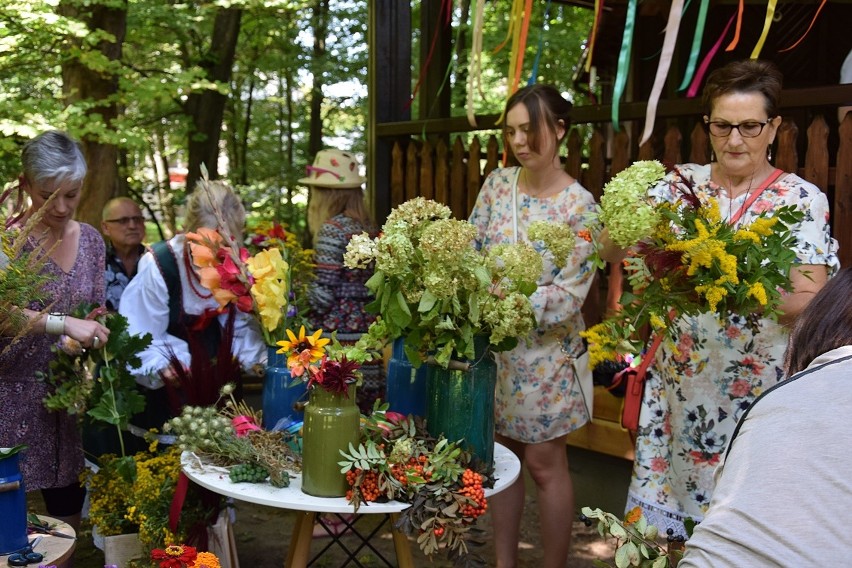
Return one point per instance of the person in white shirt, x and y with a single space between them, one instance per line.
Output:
167 300
783 491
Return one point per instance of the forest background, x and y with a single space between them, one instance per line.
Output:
250 88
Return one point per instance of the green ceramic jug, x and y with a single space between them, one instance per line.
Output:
460 404
332 422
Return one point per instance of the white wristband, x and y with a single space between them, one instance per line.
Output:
55 324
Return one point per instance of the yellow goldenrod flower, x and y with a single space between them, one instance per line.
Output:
758 292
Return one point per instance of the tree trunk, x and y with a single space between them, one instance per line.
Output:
207 108
320 33
79 83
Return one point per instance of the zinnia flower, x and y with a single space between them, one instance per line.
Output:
174 556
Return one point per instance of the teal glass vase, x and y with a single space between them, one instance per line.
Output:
13 502
332 423
406 386
460 403
281 400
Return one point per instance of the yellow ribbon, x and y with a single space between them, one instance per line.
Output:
594 34
770 13
474 73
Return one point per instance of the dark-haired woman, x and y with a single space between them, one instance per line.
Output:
538 398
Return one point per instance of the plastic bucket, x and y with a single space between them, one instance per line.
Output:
13 503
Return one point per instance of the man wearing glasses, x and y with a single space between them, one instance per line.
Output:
124 228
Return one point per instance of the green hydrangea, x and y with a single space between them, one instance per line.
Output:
558 239
625 209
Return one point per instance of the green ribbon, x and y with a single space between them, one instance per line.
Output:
696 44
623 61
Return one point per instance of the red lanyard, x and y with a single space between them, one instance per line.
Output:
766 183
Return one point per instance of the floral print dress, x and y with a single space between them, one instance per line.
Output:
709 373
538 398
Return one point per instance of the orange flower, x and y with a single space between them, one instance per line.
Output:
633 515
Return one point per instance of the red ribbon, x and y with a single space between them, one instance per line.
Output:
243 425
177 501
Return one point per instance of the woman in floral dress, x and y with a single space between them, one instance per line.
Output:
53 173
707 375
538 397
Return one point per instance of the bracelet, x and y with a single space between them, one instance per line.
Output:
55 324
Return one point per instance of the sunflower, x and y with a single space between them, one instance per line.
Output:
302 350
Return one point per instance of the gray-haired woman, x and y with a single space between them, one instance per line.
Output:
52 180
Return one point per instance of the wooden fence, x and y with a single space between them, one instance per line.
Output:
453 174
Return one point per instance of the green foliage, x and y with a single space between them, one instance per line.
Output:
636 539
111 397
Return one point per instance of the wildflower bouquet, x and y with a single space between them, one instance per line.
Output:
228 434
256 284
686 260
322 362
398 460
433 287
134 494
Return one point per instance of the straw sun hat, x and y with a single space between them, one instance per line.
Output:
334 169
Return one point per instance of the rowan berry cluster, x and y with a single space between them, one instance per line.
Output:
472 488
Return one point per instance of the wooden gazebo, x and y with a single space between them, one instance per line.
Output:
813 142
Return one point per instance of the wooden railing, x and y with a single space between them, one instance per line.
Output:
452 173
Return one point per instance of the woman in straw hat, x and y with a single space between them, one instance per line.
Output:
336 212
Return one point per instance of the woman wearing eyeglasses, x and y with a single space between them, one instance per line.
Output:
703 380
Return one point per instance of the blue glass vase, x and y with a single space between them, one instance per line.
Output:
460 403
279 397
13 504
406 386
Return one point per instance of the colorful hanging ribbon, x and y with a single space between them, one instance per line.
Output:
447 10
534 72
675 14
623 61
807 31
767 22
736 38
474 72
593 36
521 11
702 69
696 44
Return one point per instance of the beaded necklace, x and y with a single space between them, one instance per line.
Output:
191 275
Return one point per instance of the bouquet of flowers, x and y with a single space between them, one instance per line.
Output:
686 260
256 284
433 287
321 362
265 235
134 494
398 460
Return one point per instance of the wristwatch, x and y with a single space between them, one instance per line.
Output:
55 323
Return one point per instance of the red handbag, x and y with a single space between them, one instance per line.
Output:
632 404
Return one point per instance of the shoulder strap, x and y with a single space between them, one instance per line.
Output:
766 183
167 263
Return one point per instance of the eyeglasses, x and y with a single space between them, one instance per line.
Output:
750 129
124 221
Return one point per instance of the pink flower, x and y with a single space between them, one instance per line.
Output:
659 465
740 388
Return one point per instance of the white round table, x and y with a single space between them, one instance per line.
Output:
507 468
